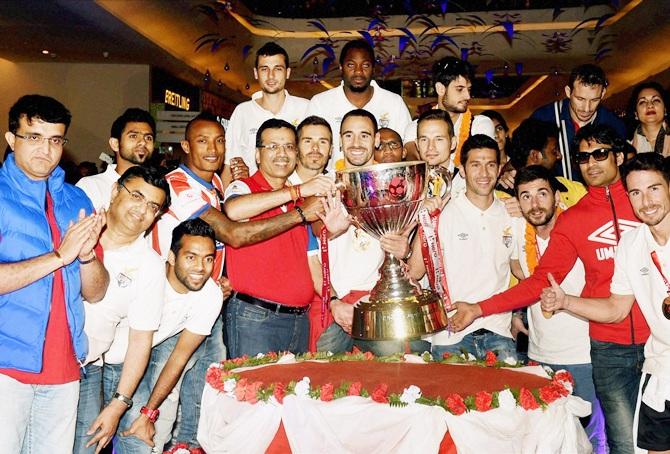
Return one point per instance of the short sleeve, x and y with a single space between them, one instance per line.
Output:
236 189
620 283
205 310
410 132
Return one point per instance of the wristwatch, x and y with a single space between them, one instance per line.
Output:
152 415
125 399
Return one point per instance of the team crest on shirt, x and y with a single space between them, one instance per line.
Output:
507 236
123 280
384 120
361 240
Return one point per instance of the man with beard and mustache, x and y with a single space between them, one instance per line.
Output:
271 70
453 78
132 140
589 231
358 91
192 304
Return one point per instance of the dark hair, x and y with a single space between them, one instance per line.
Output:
531 135
357 44
478 141
202 116
393 131
361 113
192 227
646 161
268 50
601 134
449 69
39 107
632 102
314 120
132 115
437 114
587 74
535 172
494 115
272 123
150 175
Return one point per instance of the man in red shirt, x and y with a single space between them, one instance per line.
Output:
590 231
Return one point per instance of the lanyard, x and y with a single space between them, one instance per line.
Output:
657 263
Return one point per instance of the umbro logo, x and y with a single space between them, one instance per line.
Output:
607 235
463 236
644 271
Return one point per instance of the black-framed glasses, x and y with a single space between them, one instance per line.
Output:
139 198
392 145
37 139
274 147
599 154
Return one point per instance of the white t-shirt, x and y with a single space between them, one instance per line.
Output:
388 108
134 298
248 117
98 187
564 338
194 311
636 274
477 247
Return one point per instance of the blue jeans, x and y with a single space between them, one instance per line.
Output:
478 345
210 351
334 339
616 374
90 404
585 389
251 330
37 418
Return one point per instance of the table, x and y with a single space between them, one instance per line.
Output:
266 404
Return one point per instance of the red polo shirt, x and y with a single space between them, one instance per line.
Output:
275 269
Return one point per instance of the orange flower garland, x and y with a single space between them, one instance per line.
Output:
463 134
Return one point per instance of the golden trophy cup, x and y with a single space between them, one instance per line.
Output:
385 198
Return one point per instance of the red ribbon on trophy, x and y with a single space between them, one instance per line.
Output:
431 252
325 272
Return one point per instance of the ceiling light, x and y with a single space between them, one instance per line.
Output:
45 52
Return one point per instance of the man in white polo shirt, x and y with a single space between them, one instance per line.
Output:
132 140
477 239
358 91
453 84
642 273
134 299
271 70
192 304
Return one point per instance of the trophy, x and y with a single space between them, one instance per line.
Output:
385 198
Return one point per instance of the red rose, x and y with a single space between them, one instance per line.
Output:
446 355
327 392
532 363
251 392
279 392
490 359
455 404
355 389
527 400
564 376
273 356
214 378
483 401
368 356
549 393
240 389
379 394
355 350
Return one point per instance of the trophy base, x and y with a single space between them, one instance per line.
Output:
394 319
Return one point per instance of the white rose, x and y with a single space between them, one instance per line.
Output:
506 399
411 394
229 386
302 387
510 361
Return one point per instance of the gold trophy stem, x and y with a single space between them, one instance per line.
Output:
394 283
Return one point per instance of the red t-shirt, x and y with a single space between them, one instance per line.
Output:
59 361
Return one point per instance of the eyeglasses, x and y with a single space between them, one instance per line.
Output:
599 154
393 145
36 139
139 198
274 147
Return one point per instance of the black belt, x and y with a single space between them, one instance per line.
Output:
274 307
480 332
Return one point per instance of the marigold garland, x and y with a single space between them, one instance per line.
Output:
463 134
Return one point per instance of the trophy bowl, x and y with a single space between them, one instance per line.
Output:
385 198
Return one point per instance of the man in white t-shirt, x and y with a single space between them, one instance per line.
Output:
453 83
192 304
641 272
477 239
271 70
134 299
132 140
358 91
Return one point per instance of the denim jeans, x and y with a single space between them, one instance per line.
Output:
111 375
335 340
585 389
90 404
212 350
37 418
616 374
251 330
478 345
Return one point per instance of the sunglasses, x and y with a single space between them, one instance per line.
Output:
599 154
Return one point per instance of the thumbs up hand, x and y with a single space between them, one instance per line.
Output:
552 298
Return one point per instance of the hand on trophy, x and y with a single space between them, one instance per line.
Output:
434 205
335 217
343 314
465 314
397 244
319 185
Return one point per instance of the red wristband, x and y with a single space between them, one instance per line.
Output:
151 414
